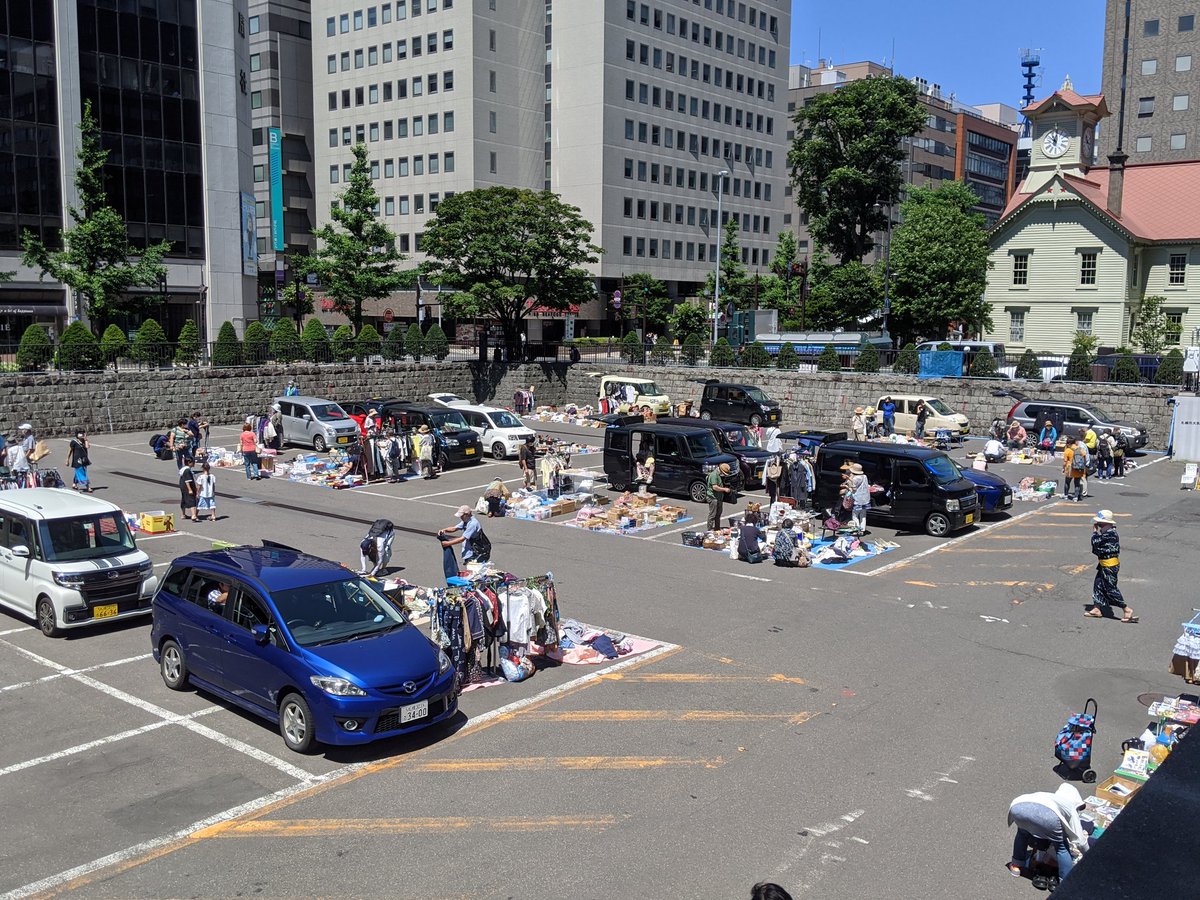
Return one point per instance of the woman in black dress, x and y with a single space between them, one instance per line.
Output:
187 490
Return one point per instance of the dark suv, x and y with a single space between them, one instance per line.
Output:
1073 419
734 439
684 455
738 403
457 442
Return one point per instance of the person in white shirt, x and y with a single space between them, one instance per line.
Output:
993 451
1043 816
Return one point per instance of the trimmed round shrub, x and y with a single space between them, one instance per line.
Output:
722 354
414 342
1126 370
256 347
393 344
631 348
983 365
662 353
867 359
436 343
343 343
285 346
114 345
787 358
315 342
1170 369
908 361
1079 366
1028 367
150 344
692 350
187 345
78 349
829 361
368 343
227 351
755 356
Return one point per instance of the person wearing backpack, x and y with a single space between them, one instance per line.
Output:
1120 447
1075 460
1104 456
476 546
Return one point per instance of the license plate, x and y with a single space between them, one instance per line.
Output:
343 440
1007 501
107 611
969 518
413 712
470 451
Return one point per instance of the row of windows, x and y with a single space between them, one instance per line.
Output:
652 95
662 212
370 17
724 42
665 136
643 14
1084 321
420 125
1176 269
654 248
697 70
989 144
1144 143
371 56
986 167
1183 63
371 94
400 167
1152 27
1179 103
151 36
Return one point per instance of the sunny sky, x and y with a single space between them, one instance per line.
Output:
969 47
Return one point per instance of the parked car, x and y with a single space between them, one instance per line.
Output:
733 438
1147 364
811 438
457 443
994 493
920 486
499 430
1054 368
69 560
684 455
299 641
1074 418
738 403
941 416
316 423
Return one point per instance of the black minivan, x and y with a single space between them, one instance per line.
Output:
731 438
921 486
738 403
684 455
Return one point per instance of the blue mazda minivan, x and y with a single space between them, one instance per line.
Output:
300 641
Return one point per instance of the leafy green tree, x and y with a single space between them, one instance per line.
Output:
944 346
414 342
867 359
1086 342
187 345
393 344
297 295
734 283
841 296
691 350
846 160
508 251
150 344
908 361
315 342
721 354
256 345
1126 370
436 343
114 345
631 348
755 356
645 299
97 260
1153 329
689 319
1170 369
1028 367
829 361
78 349
356 257
368 343
343 343
35 349
1079 366
285 346
983 365
940 260
787 358
227 351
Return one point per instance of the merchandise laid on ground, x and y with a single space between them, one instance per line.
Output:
571 414
628 514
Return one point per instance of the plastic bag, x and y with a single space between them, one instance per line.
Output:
481 505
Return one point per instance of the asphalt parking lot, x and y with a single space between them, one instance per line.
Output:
824 729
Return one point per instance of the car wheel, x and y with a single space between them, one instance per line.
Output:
173 666
296 723
47 618
937 524
319 444
756 420
498 451
617 484
706 415
698 491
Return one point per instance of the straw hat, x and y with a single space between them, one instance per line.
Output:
858 410
724 467
856 469
372 411
1105 517
424 429
845 467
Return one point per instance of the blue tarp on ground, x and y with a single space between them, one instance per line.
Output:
941 364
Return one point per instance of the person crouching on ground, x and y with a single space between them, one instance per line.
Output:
496 495
750 538
1106 546
1043 816
994 452
1016 435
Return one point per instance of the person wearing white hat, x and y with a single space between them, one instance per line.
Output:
858 488
1106 547
1043 816
476 546
17 457
858 424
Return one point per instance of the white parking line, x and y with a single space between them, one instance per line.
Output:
244 809
56 675
14 631
736 575
154 710
100 742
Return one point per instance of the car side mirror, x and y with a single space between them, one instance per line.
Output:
262 634
21 550
306 417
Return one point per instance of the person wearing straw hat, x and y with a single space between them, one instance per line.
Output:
715 491
858 488
425 441
1106 546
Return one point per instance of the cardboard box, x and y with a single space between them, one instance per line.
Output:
638 500
158 522
1118 790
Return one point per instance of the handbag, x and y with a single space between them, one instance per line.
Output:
269 432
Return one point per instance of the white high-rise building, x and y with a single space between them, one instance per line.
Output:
628 110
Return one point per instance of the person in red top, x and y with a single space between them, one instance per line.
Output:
249 447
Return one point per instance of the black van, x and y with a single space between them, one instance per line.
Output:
731 438
738 403
921 486
684 455
457 443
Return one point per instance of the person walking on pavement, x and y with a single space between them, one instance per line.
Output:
526 459
1052 817
888 408
425 441
77 459
715 491
1104 456
858 424
1106 546
188 494
1074 469
17 456
248 444
206 485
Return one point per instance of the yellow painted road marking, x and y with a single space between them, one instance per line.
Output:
532 763
698 678
999 550
418 825
1075 570
669 715
1040 585
923 583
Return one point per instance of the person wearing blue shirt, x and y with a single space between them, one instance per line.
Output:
888 408
470 536
291 390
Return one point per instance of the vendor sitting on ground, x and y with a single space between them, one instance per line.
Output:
750 536
787 551
1016 435
994 451
1053 818
496 494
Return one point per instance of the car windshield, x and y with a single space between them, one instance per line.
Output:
450 421
329 412
757 395
702 445
337 611
943 469
86 537
646 388
741 439
939 407
505 419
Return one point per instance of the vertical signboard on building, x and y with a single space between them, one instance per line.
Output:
249 236
275 163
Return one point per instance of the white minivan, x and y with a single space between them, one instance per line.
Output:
499 430
69 560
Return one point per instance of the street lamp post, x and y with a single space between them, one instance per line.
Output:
721 176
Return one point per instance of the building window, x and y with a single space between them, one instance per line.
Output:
256 99
1177 269
1179 142
333 174
1143 144
1145 107
1149 66
492 122
492 162
1021 269
1187 23
492 81
1087 268
1016 326
1183 63
1174 333
358 20
447 121
260 174
330 27
1179 102
256 62
1150 28
1083 322
255 24
448 162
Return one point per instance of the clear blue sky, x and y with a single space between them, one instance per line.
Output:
969 47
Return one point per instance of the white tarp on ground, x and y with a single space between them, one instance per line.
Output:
1185 429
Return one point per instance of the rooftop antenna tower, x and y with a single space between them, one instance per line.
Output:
1031 61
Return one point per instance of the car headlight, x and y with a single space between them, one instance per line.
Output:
764 407
68 579
443 662
337 687
951 506
145 568
452 442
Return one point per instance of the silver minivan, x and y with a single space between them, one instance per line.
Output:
316 423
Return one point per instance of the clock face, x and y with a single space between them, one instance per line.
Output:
1055 143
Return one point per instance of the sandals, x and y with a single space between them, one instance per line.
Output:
1093 613
1130 620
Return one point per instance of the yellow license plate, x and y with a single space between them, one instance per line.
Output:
969 518
107 611
343 440
470 451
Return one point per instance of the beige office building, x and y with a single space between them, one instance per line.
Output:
626 109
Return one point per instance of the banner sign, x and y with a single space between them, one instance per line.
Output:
275 164
249 236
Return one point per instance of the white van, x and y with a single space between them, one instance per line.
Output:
499 430
941 416
69 560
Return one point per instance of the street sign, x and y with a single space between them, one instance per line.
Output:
616 299
388 315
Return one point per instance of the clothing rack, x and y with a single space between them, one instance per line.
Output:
34 478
